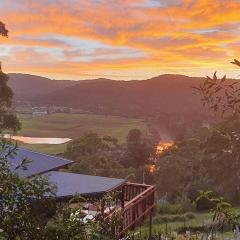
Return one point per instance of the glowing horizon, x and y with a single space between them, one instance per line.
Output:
120 39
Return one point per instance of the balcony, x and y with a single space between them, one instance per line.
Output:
138 201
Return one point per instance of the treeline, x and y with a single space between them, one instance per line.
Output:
104 156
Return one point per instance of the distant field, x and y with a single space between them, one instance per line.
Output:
74 126
44 148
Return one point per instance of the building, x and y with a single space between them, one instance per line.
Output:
135 200
39 111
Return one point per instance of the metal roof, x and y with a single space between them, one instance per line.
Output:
69 184
40 163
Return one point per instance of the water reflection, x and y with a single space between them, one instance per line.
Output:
38 140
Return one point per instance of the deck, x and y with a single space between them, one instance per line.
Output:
138 201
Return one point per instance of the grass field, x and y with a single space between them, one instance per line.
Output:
74 126
199 219
45 148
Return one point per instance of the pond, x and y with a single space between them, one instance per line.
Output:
38 140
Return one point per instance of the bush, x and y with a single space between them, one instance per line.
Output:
204 205
179 218
190 215
169 219
169 208
181 205
186 204
2 235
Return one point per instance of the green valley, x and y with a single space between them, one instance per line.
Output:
61 125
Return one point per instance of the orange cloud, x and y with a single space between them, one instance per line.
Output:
121 37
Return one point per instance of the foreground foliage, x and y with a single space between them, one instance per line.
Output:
8 121
23 202
28 209
209 159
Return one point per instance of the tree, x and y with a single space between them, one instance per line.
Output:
25 202
176 167
222 157
134 137
20 199
222 211
138 151
19 217
97 155
89 144
3 30
221 95
221 148
8 121
192 190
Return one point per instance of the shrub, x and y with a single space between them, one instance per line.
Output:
2 235
180 206
179 218
204 205
190 215
186 204
169 208
169 219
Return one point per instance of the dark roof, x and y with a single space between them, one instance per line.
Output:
40 163
69 184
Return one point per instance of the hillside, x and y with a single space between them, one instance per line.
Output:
26 86
162 94
165 93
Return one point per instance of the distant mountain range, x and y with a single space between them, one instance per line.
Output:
26 87
161 94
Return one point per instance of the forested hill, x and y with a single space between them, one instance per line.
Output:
165 93
26 86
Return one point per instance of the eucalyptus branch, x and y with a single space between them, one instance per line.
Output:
220 94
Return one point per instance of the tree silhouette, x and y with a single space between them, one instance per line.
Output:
3 30
8 121
221 148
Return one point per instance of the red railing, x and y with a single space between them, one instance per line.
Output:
139 200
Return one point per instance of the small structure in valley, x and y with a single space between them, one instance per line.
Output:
39 111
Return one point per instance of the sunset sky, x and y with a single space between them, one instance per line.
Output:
120 39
